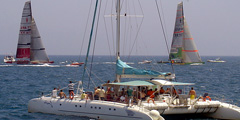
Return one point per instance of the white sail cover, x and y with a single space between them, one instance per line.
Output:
23 47
183 46
38 53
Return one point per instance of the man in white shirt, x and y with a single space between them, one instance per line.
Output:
54 93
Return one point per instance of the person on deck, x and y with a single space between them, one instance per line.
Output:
102 94
151 95
168 91
162 91
192 94
83 95
174 92
142 95
109 94
96 93
54 93
130 96
71 88
62 94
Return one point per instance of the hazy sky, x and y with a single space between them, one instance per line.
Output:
214 25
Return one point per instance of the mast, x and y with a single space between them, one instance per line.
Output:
118 36
89 43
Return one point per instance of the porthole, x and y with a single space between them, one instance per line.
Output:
75 105
91 107
80 106
99 107
114 109
109 108
60 104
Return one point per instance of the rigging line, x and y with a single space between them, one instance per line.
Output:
95 39
135 38
139 27
163 19
164 34
89 74
89 43
140 7
108 41
96 76
84 35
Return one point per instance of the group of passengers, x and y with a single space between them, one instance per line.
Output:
61 94
125 95
130 95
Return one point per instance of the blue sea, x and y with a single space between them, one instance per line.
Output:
20 83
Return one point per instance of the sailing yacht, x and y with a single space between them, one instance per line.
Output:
98 109
165 104
30 48
183 49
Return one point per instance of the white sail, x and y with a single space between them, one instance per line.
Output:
183 47
38 53
23 46
176 47
190 52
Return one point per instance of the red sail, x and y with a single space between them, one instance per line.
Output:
23 53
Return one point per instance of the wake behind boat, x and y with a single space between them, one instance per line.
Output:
30 48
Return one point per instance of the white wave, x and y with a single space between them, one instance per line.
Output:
69 65
42 65
6 65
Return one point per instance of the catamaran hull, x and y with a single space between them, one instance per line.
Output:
94 109
210 109
226 111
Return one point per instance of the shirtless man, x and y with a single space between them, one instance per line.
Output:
192 93
62 94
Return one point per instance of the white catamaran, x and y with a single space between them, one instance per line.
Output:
183 48
105 110
168 103
30 44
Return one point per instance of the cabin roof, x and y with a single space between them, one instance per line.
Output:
147 83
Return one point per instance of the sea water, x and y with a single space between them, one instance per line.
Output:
20 83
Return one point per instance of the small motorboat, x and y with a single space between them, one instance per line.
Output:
145 62
75 64
9 59
216 60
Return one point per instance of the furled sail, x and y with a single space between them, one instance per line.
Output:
38 53
183 48
23 47
126 71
